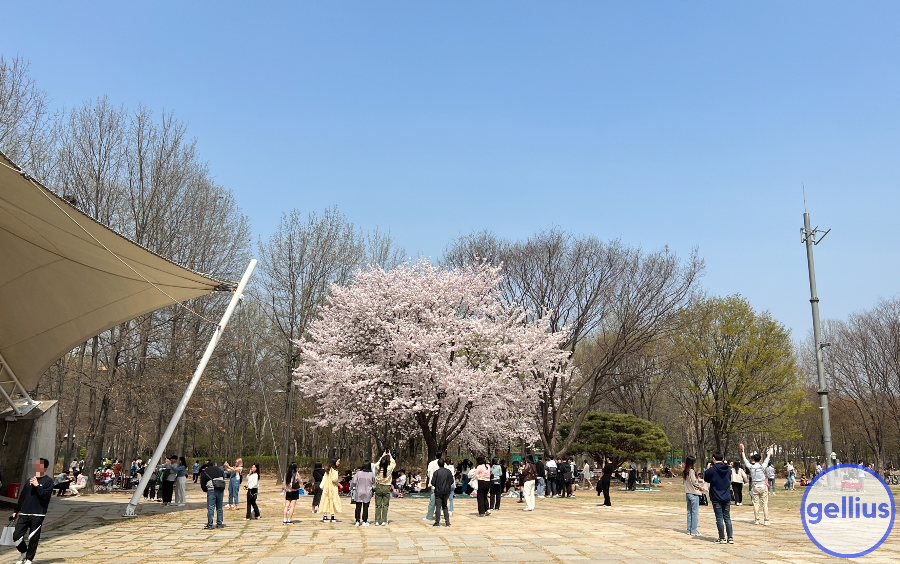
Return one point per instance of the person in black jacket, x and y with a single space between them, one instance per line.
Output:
212 481
718 476
606 474
317 475
31 509
442 483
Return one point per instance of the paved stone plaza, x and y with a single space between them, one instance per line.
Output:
639 528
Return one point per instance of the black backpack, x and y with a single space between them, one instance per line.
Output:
551 471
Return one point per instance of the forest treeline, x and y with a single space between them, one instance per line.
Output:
644 336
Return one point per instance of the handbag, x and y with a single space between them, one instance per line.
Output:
7 537
703 499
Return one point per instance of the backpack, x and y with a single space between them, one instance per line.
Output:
161 475
551 471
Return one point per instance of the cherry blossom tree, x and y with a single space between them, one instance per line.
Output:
428 349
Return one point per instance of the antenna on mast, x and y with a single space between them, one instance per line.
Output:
804 198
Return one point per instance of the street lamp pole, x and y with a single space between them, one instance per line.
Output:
287 431
808 236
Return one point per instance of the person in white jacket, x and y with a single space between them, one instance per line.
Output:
252 491
738 479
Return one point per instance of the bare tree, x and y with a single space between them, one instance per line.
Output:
26 130
616 297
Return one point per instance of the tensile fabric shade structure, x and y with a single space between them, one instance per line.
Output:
65 278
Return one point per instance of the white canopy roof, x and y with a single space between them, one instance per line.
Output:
65 278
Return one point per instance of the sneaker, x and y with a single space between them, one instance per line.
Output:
206 527
246 518
365 524
21 559
426 518
220 525
446 524
756 522
28 562
333 519
766 523
722 541
180 505
290 522
324 520
730 541
357 523
436 525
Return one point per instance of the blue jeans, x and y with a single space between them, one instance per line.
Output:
722 510
693 513
234 492
540 486
430 514
214 503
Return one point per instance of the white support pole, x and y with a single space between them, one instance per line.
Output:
182 405
4 366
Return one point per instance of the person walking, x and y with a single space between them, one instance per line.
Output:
792 477
234 483
738 479
693 490
383 479
317 475
606 474
195 470
291 485
252 493
529 476
363 481
31 508
482 475
759 484
541 472
770 478
331 502
212 481
586 475
180 481
718 476
442 485
497 473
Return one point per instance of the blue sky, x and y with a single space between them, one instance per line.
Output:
679 123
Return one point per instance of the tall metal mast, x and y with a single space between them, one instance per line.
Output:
809 236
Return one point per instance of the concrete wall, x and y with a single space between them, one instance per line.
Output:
27 439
